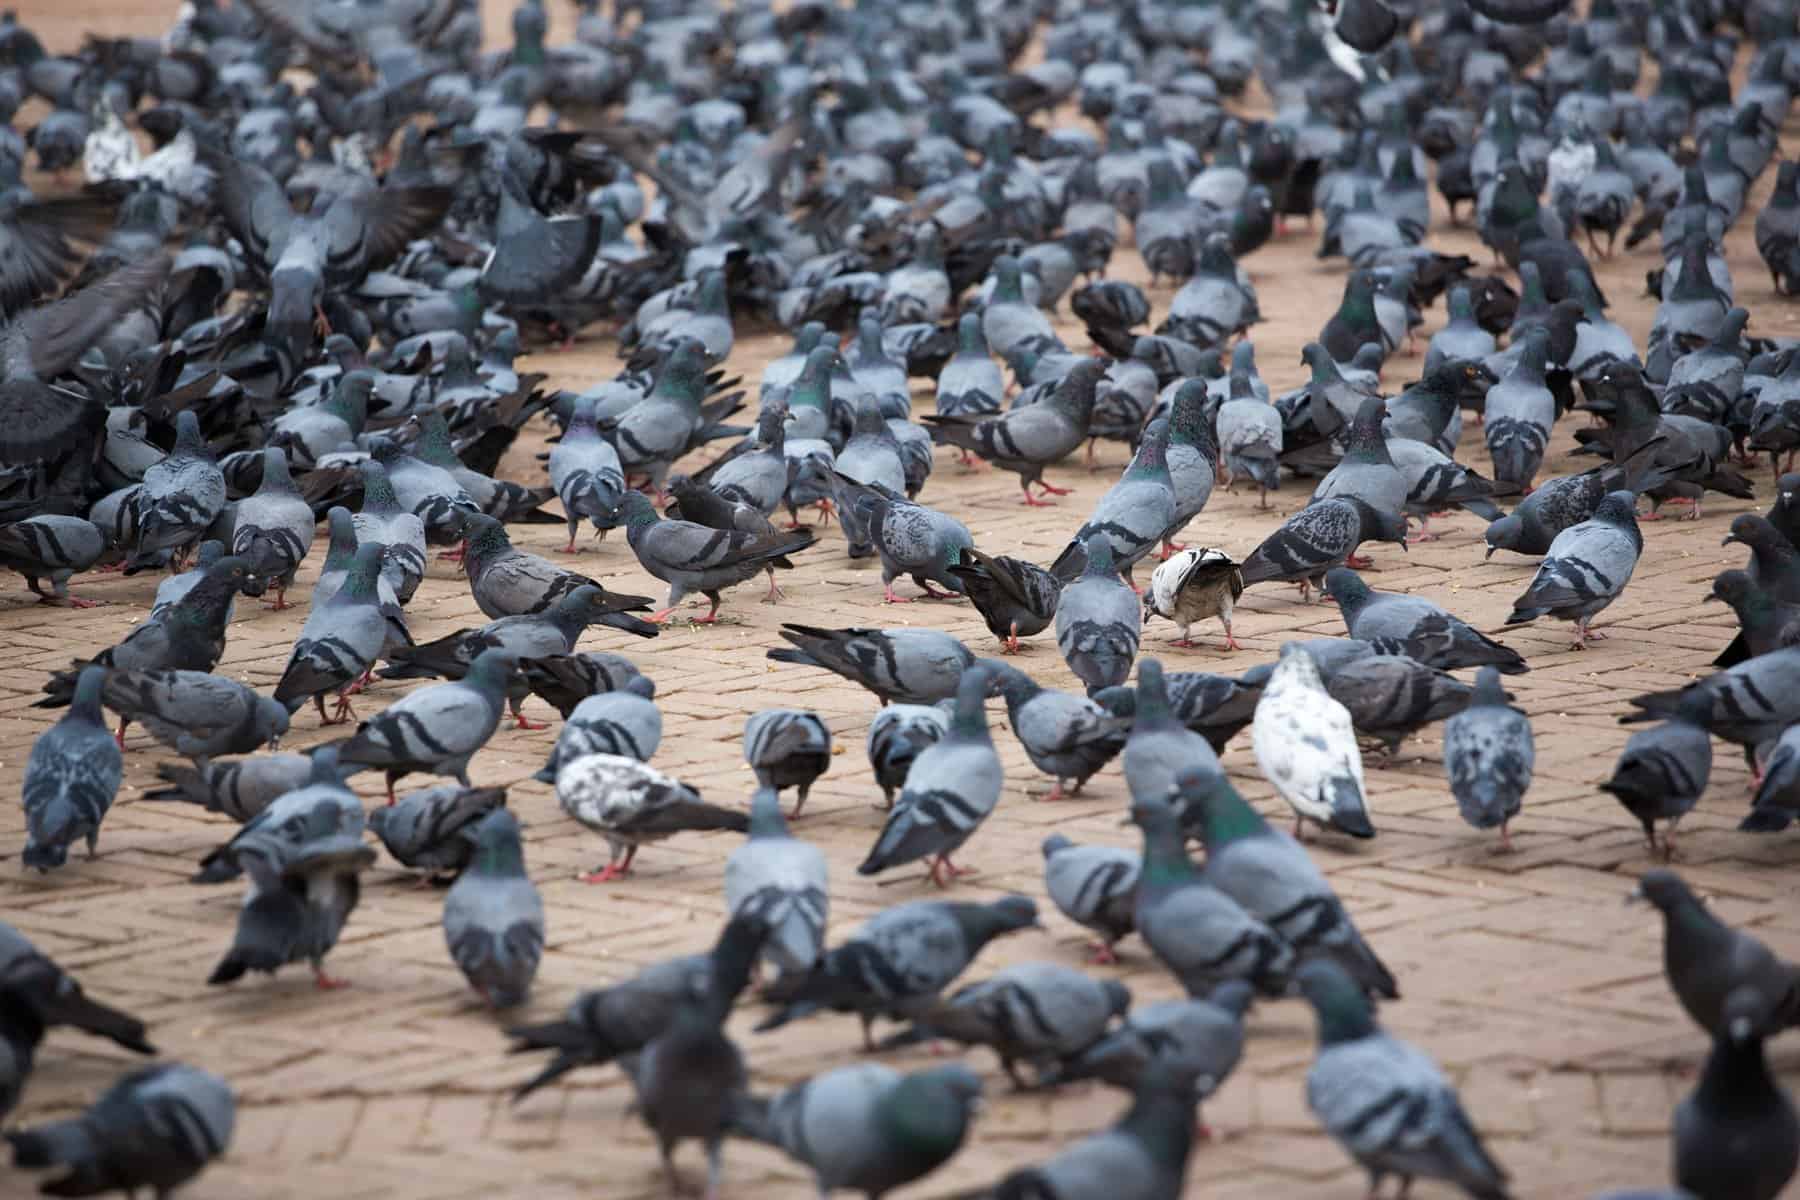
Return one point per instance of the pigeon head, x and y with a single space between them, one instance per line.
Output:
495 839
88 687
1732 587
1347 588
969 337
958 1081
1297 666
1055 844
970 717
1618 508
1010 913
1008 681
1099 554
1324 367
1210 805
584 606
1340 1005
363 577
271 721
635 510
349 400
487 536
1748 529
491 670
1666 890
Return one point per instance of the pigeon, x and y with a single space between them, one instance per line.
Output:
493 915
1690 453
428 492
866 1127
1585 569
1036 1013
1159 745
624 722
1663 771
1015 597
756 473
1306 746
656 431
690 557
780 881
52 547
897 735
1415 627
1488 756
195 714
1142 1156
599 1026
39 995
787 748
688 1082
1250 443
339 643
1066 737
182 495
950 789
1727 981
435 729
900 959
1367 472
1273 878
428 830
1751 703
1569 500
157 1127
384 523
1773 807
1389 696
236 788
1099 620
1094 886
586 473
1026 440
507 582
1192 586
71 778
1518 413
1461 336
1323 535
1383 1100
912 666
1133 513
871 456
565 680
274 529
631 804
911 539
1737 1133
970 383
1199 933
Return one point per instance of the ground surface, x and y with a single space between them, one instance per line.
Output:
1523 974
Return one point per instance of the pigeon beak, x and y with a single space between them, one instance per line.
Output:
1635 895
1728 539
1489 555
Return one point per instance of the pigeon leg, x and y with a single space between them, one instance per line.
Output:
1032 502
521 721
1505 838
1231 643
951 872
1424 534
888 596
120 736
1056 791
279 604
1050 489
321 323
661 616
1184 642
327 983
826 511
1580 642
1299 828
615 869
712 614
1012 640
932 593
1168 550
1358 562
715 1168
392 779
1101 954
774 591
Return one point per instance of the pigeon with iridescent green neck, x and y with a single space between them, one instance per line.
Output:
657 430
911 539
274 529
182 495
502 500
427 491
384 522
1132 515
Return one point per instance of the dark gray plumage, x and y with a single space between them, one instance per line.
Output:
1488 756
340 641
435 729
1731 984
1323 535
1415 627
1066 737
52 547
182 495
71 778
428 830
913 666
1015 597
195 713
787 748
1585 569
898 734
1736 1134
274 529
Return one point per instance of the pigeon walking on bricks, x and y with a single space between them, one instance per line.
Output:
1585 569
429 492
71 778
1099 620
238 788
382 521
565 680
688 1081
693 558
428 830
52 547
1193 586
900 959
787 748
1367 472
1725 979
624 722
1306 746
1737 1133
1488 757
507 582
1133 513
586 473
1015 597
194 713
493 915
781 881
1159 746
1095 887
950 789
1568 500
1028 439
435 729
340 641
1323 535
911 539
1750 704
866 1127
1414 626
911 666
1663 771
1383 1100
1065 736
157 1127
182 495
274 529
897 735
631 804
1275 880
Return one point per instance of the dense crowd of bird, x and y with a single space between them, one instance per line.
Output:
310 239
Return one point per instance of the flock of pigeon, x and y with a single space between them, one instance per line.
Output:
303 306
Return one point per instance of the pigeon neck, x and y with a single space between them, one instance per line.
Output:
1226 818
379 497
1161 1120
920 1121
433 445
1166 864
85 707
500 856
1343 1013
731 960
1736 1079
766 819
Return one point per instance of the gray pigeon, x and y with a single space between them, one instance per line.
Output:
435 729
689 1081
427 830
383 522
586 473
1160 746
182 495
1414 626
624 722
1015 597
1737 1133
1035 1013
900 959
1250 443
1367 472
428 492
1488 756
1323 535
1133 513
1306 747
1663 771
237 788
787 748
631 804
950 789
565 680
1066 737
1385 1102
52 547
970 384
1099 620
284 818
1275 880
274 529
912 666
693 558
1585 569
1569 500
1750 704
340 641
194 713
910 538
1199 933
780 881
897 735
71 778
493 915
866 1127
1730 983
755 473
174 587
871 456
1025 440
1518 413
507 582
1094 886
157 1127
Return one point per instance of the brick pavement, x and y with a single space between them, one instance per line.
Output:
1523 974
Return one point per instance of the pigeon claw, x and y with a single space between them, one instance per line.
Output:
1050 489
889 596
328 983
1357 562
1102 955
521 721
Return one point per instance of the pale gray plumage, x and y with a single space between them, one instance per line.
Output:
385 523
51 547
493 915
436 729
780 881
237 788
631 804
182 495
274 528
623 722
1094 886
1067 737
1204 1035
1488 756
913 666
71 776
426 830
787 748
1099 620
586 472
1035 1013
1586 567
1159 746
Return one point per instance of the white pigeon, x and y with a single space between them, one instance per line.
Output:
630 803
1193 585
1306 746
